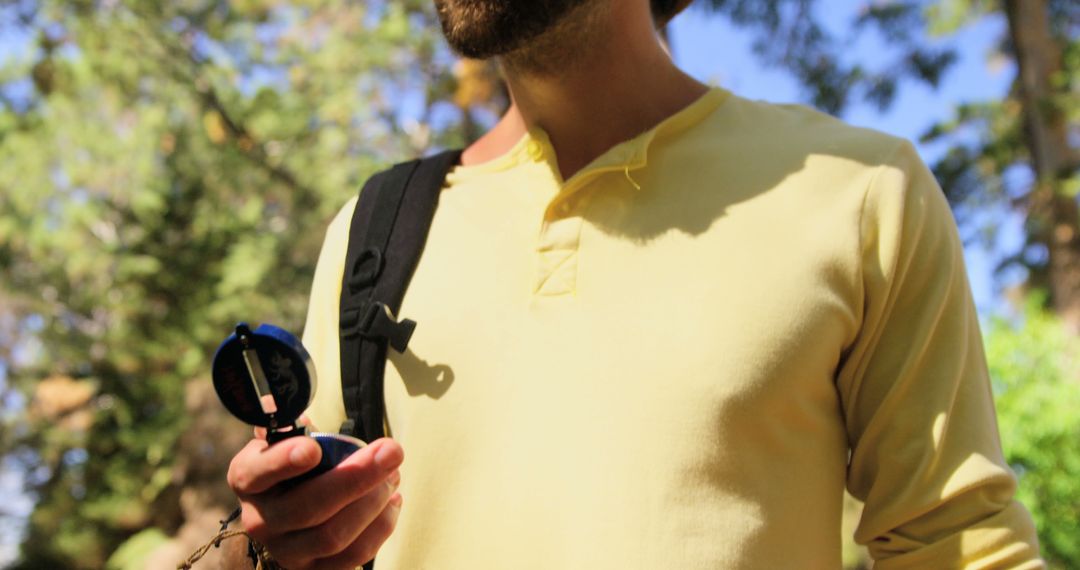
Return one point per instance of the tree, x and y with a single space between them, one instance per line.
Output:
991 141
1044 89
168 170
1034 365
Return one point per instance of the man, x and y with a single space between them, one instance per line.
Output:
661 327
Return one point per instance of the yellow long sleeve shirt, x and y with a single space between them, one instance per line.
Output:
680 356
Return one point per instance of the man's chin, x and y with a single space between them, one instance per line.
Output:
483 29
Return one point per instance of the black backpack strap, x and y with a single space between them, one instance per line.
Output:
389 228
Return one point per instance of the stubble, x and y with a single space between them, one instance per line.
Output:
529 36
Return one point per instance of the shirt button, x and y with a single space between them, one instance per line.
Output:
535 150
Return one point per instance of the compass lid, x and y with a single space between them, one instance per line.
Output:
264 377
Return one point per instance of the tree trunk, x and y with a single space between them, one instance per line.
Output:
1054 218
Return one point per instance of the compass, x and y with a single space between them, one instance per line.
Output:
265 377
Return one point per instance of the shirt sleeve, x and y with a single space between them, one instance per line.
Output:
926 456
327 409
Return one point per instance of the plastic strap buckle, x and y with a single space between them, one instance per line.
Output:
374 320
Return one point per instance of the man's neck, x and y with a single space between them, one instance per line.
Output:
619 84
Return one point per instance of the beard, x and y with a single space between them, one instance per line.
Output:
482 29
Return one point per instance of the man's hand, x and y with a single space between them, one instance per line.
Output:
336 520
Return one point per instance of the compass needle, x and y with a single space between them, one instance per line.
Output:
258 378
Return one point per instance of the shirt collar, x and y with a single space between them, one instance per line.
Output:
534 147
628 155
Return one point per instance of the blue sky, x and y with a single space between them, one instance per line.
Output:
712 50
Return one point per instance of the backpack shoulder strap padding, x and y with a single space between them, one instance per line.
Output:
386 237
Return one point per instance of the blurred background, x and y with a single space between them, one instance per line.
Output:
168 168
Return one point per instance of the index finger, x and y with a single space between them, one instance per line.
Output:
259 466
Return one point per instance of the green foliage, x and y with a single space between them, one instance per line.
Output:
168 170
1035 367
131 554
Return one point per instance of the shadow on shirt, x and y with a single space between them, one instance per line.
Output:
421 378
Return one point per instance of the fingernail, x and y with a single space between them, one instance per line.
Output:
396 500
387 457
302 456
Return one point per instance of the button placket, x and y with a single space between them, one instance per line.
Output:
560 233
560 239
